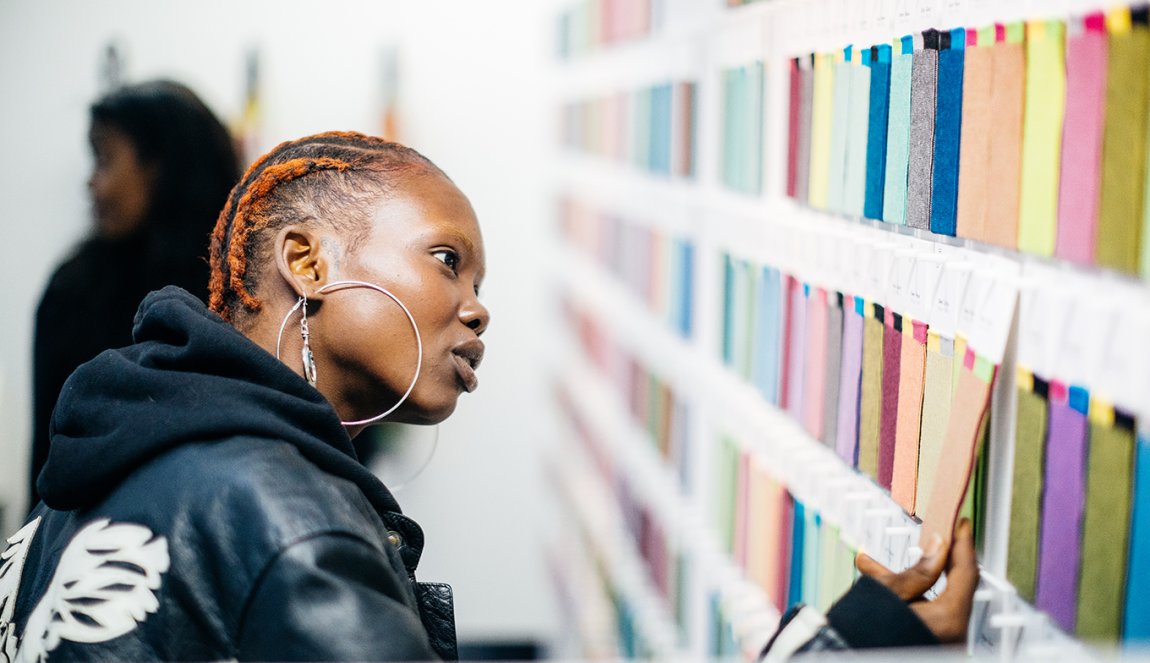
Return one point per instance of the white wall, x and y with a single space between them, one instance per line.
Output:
474 100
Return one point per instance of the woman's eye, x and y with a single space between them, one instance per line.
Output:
449 258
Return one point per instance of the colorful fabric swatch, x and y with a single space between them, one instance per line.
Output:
923 96
1042 136
937 394
911 384
850 381
978 76
794 109
832 381
822 118
855 164
1124 142
870 403
1005 171
1106 523
888 417
1082 132
878 111
970 407
814 380
947 132
898 133
1059 552
1136 620
1026 486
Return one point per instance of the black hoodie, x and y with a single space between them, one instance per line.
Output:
267 539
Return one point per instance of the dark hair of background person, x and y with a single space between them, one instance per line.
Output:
91 299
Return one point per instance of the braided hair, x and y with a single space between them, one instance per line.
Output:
331 179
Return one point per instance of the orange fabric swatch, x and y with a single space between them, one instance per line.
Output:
977 83
1005 170
912 378
971 403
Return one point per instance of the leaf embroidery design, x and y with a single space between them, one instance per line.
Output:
11 568
104 586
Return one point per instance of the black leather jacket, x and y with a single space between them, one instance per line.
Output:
204 503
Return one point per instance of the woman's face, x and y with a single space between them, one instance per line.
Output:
120 183
425 248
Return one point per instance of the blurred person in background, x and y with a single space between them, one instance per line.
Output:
164 164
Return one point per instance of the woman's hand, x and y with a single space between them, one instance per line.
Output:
948 615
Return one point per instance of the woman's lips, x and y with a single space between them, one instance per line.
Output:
466 373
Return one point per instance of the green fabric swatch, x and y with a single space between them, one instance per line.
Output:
897 138
1026 500
1042 137
1120 211
1105 531
841 103
870 407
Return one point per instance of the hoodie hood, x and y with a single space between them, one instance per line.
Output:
189 378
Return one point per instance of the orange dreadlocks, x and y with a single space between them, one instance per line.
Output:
330 178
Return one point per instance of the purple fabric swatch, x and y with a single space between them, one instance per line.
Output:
847 429
1064 490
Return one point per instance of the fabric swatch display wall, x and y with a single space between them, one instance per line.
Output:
1029 135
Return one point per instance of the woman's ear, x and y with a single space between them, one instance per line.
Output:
302 260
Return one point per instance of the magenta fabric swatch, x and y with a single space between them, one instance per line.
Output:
1064 490
850 381
1082 131
888 423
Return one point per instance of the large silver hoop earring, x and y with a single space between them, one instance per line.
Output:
343 285
306 355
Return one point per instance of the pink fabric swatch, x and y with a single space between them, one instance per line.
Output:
815 378
1082 129
888 423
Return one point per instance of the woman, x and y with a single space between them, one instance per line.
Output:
202 498
163 167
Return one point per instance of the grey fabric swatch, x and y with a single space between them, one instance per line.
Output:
806 107
923 95
834 364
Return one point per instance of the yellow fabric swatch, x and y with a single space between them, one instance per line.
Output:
822 116
1042 136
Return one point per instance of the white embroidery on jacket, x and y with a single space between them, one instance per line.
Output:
104 586
11 569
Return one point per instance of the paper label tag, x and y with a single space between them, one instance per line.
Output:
923 282
995 317
948 298
1078 353
882 256
1033 327
1123 357
902 266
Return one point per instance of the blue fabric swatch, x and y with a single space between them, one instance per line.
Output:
947 131
1136 628
799 525
876 130
728 309
767 332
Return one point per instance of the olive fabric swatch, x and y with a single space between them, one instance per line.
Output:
911 383
1106 523
888 418
923 96
1005 170
959 449
1042 136
898 133
947 132
878 116
1063 493
870 403
1082 142
1124 144
822 116
973 204
937 396
850 381
832 381
1026 486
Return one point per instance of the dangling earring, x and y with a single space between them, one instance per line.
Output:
305 352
